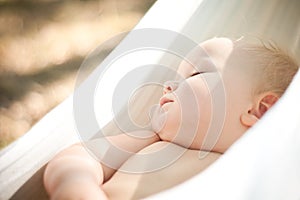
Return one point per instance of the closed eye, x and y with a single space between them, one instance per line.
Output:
196 73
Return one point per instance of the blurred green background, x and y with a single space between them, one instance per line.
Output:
42 45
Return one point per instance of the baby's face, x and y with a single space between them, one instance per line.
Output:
212 91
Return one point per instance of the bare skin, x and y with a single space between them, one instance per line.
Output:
75 174
136 186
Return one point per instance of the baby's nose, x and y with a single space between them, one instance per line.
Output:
170 86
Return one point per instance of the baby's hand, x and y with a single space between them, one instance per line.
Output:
79 189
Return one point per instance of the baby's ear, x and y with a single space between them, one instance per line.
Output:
262 104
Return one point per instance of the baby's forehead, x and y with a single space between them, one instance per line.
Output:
218 54
210 55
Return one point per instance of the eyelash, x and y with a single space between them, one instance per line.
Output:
196 73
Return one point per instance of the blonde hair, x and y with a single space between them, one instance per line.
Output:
277 67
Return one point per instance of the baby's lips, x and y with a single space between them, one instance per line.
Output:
165 100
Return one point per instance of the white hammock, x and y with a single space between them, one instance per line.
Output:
21 163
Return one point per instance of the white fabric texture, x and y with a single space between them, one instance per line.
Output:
262 165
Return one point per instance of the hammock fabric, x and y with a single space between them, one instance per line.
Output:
22 163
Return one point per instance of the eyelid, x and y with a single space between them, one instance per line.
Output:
196 73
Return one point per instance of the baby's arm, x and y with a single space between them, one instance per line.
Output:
72 174
75 174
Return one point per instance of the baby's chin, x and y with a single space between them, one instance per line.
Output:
158 118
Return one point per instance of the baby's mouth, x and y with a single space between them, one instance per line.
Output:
165 100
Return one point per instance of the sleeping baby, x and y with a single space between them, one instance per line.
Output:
137 164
